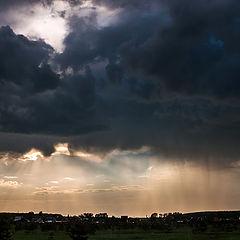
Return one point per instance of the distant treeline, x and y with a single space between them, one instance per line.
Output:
206 215
79 227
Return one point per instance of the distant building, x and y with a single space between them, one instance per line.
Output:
18 218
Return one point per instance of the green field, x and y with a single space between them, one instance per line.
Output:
183 234
38 235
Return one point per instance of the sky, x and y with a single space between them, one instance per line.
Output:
121 106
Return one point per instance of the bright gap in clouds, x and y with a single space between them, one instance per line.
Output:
61 148
50 23
32 155
37 21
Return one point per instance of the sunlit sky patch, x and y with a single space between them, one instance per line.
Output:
61 148
40 22
51 22
32 155
133 176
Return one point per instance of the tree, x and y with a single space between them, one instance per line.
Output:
5 230
78 232
86 216
154 215
101 215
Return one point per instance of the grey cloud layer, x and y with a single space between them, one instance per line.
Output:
163 75
34 99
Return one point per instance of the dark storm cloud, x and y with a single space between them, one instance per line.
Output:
189 49
186 51
33 98
196 53
24 62
196 130
163 74
22 143
87 43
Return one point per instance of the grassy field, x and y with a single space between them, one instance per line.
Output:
132 235
38 235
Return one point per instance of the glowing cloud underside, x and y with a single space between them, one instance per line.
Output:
61 148
33 155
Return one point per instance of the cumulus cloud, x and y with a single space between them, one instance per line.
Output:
9 184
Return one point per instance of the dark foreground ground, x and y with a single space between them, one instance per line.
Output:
223 225
180 234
